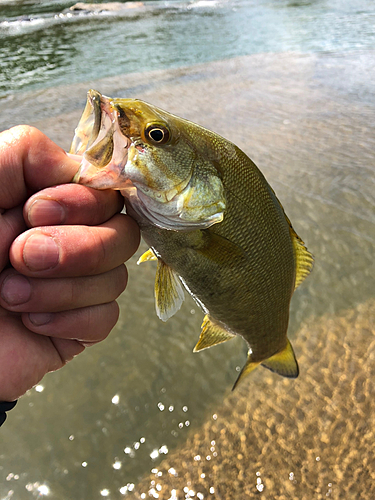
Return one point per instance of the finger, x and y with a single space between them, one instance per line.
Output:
24 357
11 225
88 325
19 293
29 160
68 251
72 204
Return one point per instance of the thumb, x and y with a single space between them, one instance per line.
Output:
29 162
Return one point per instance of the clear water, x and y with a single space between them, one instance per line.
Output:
45 44
301 104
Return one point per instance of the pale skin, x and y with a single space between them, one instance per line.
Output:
62 249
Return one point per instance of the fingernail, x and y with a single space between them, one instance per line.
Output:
16 290
46 213
40 252
39 319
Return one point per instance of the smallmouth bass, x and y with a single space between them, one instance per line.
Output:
212 221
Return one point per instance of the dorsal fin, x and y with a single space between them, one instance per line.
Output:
211 335
169 293
304 259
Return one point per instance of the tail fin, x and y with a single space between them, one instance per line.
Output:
248 368
284 363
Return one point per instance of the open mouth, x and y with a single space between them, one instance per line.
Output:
100 145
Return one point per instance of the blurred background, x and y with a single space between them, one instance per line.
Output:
140 415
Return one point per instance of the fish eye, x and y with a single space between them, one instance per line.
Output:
157 134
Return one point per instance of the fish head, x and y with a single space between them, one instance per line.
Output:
157 160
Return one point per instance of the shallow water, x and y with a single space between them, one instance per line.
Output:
95 428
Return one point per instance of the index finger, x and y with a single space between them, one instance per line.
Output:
71 204
29 162
69 251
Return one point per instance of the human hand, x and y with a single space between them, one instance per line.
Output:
59 279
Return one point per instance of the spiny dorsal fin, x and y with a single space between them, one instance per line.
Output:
248 368
304 259
211 334
284 362
149 255
169 293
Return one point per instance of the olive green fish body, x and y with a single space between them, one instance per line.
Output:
242 270
212 221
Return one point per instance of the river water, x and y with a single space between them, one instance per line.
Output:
292 85
43 43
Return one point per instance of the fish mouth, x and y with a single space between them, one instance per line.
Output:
100 145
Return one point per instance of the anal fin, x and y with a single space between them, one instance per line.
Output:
169 293
284 362
211 335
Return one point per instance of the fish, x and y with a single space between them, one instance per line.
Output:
212 221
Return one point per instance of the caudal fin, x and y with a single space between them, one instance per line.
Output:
284 363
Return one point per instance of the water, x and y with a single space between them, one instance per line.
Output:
301 104
46 44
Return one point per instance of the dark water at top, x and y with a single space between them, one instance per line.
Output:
45 44
302 106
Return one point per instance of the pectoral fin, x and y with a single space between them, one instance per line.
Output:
219 249
149 255
211 334
169 293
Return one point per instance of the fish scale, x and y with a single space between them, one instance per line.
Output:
211 219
